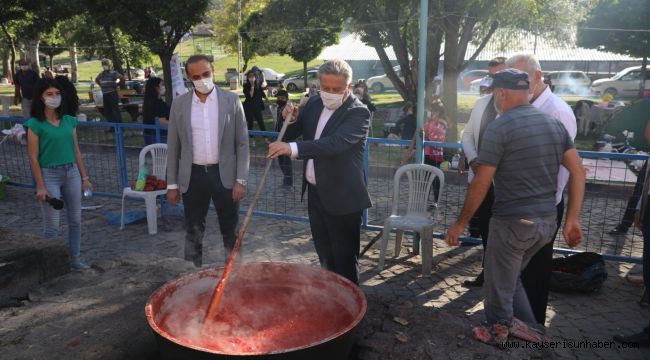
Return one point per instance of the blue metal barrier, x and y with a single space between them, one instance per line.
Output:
111 152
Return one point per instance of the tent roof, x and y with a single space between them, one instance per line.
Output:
503 43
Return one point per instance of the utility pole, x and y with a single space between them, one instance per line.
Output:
239 48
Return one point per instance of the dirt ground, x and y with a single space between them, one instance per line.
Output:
99 314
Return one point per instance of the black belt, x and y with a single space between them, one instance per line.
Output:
205 167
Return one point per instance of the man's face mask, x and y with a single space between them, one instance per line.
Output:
24 67
106 67
204 86
332 101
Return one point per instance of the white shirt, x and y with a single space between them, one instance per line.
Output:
551 104
469 138
205 130
310 174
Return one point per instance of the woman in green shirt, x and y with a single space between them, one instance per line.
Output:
57 164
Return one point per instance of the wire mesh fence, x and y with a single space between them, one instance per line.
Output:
111 156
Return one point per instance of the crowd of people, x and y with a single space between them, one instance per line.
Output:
518 144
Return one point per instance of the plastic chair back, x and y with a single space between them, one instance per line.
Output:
159 157
420 179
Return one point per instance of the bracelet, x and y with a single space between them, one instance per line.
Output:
85 178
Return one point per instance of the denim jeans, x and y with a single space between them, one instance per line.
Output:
513 242
63 181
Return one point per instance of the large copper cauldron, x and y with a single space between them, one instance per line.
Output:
269 311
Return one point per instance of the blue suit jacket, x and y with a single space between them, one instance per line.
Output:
338 154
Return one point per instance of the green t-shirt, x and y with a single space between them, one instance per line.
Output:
55 144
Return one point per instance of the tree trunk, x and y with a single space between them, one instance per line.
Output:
52 62
117 62
304 73
12 45
128 69
73 64
450 94
165 59
6 68
34 54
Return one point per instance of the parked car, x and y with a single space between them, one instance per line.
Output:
272 77
467 77
624 84
571 82
382 83
296 83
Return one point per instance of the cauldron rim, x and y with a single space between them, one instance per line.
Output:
361 299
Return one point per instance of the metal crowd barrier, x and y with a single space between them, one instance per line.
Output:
111 152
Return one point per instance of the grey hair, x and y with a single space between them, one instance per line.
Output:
532 64
336 67
106 62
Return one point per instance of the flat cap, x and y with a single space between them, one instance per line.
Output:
512 79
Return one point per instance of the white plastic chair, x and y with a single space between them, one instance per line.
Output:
420 179
159 170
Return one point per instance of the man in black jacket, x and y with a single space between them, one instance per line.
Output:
334 127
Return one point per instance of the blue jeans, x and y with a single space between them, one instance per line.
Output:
63 181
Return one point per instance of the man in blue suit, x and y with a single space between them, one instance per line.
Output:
334 129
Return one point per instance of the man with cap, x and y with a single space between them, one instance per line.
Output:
522 151
108 80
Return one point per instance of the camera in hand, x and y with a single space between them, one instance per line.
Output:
57 204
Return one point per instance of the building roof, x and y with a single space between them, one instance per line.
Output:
503 43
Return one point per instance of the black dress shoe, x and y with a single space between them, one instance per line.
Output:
476 282
642 339
619 230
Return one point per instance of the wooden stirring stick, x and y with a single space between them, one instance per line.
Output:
221 285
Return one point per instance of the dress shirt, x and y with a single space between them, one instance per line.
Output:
310 174
470 135
551 104
205 130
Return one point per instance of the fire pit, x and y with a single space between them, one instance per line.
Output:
269 311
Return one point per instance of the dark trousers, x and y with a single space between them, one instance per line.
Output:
628 216
111 107
253 116
536 276
483 216
336 238
646 253
436 181
287 170
205 184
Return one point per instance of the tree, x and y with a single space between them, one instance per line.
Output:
160 28
452 26
614 18
226 24
12 11
258 40
309 26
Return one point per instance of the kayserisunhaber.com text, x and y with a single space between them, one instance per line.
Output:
569 344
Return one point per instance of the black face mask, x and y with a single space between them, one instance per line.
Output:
281 102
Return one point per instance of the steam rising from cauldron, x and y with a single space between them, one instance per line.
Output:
263 308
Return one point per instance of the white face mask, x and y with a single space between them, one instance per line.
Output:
106 67
331 101
24 67
204 86
52 102
162 90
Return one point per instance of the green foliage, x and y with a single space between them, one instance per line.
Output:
622 14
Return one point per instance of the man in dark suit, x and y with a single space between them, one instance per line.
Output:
334 128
